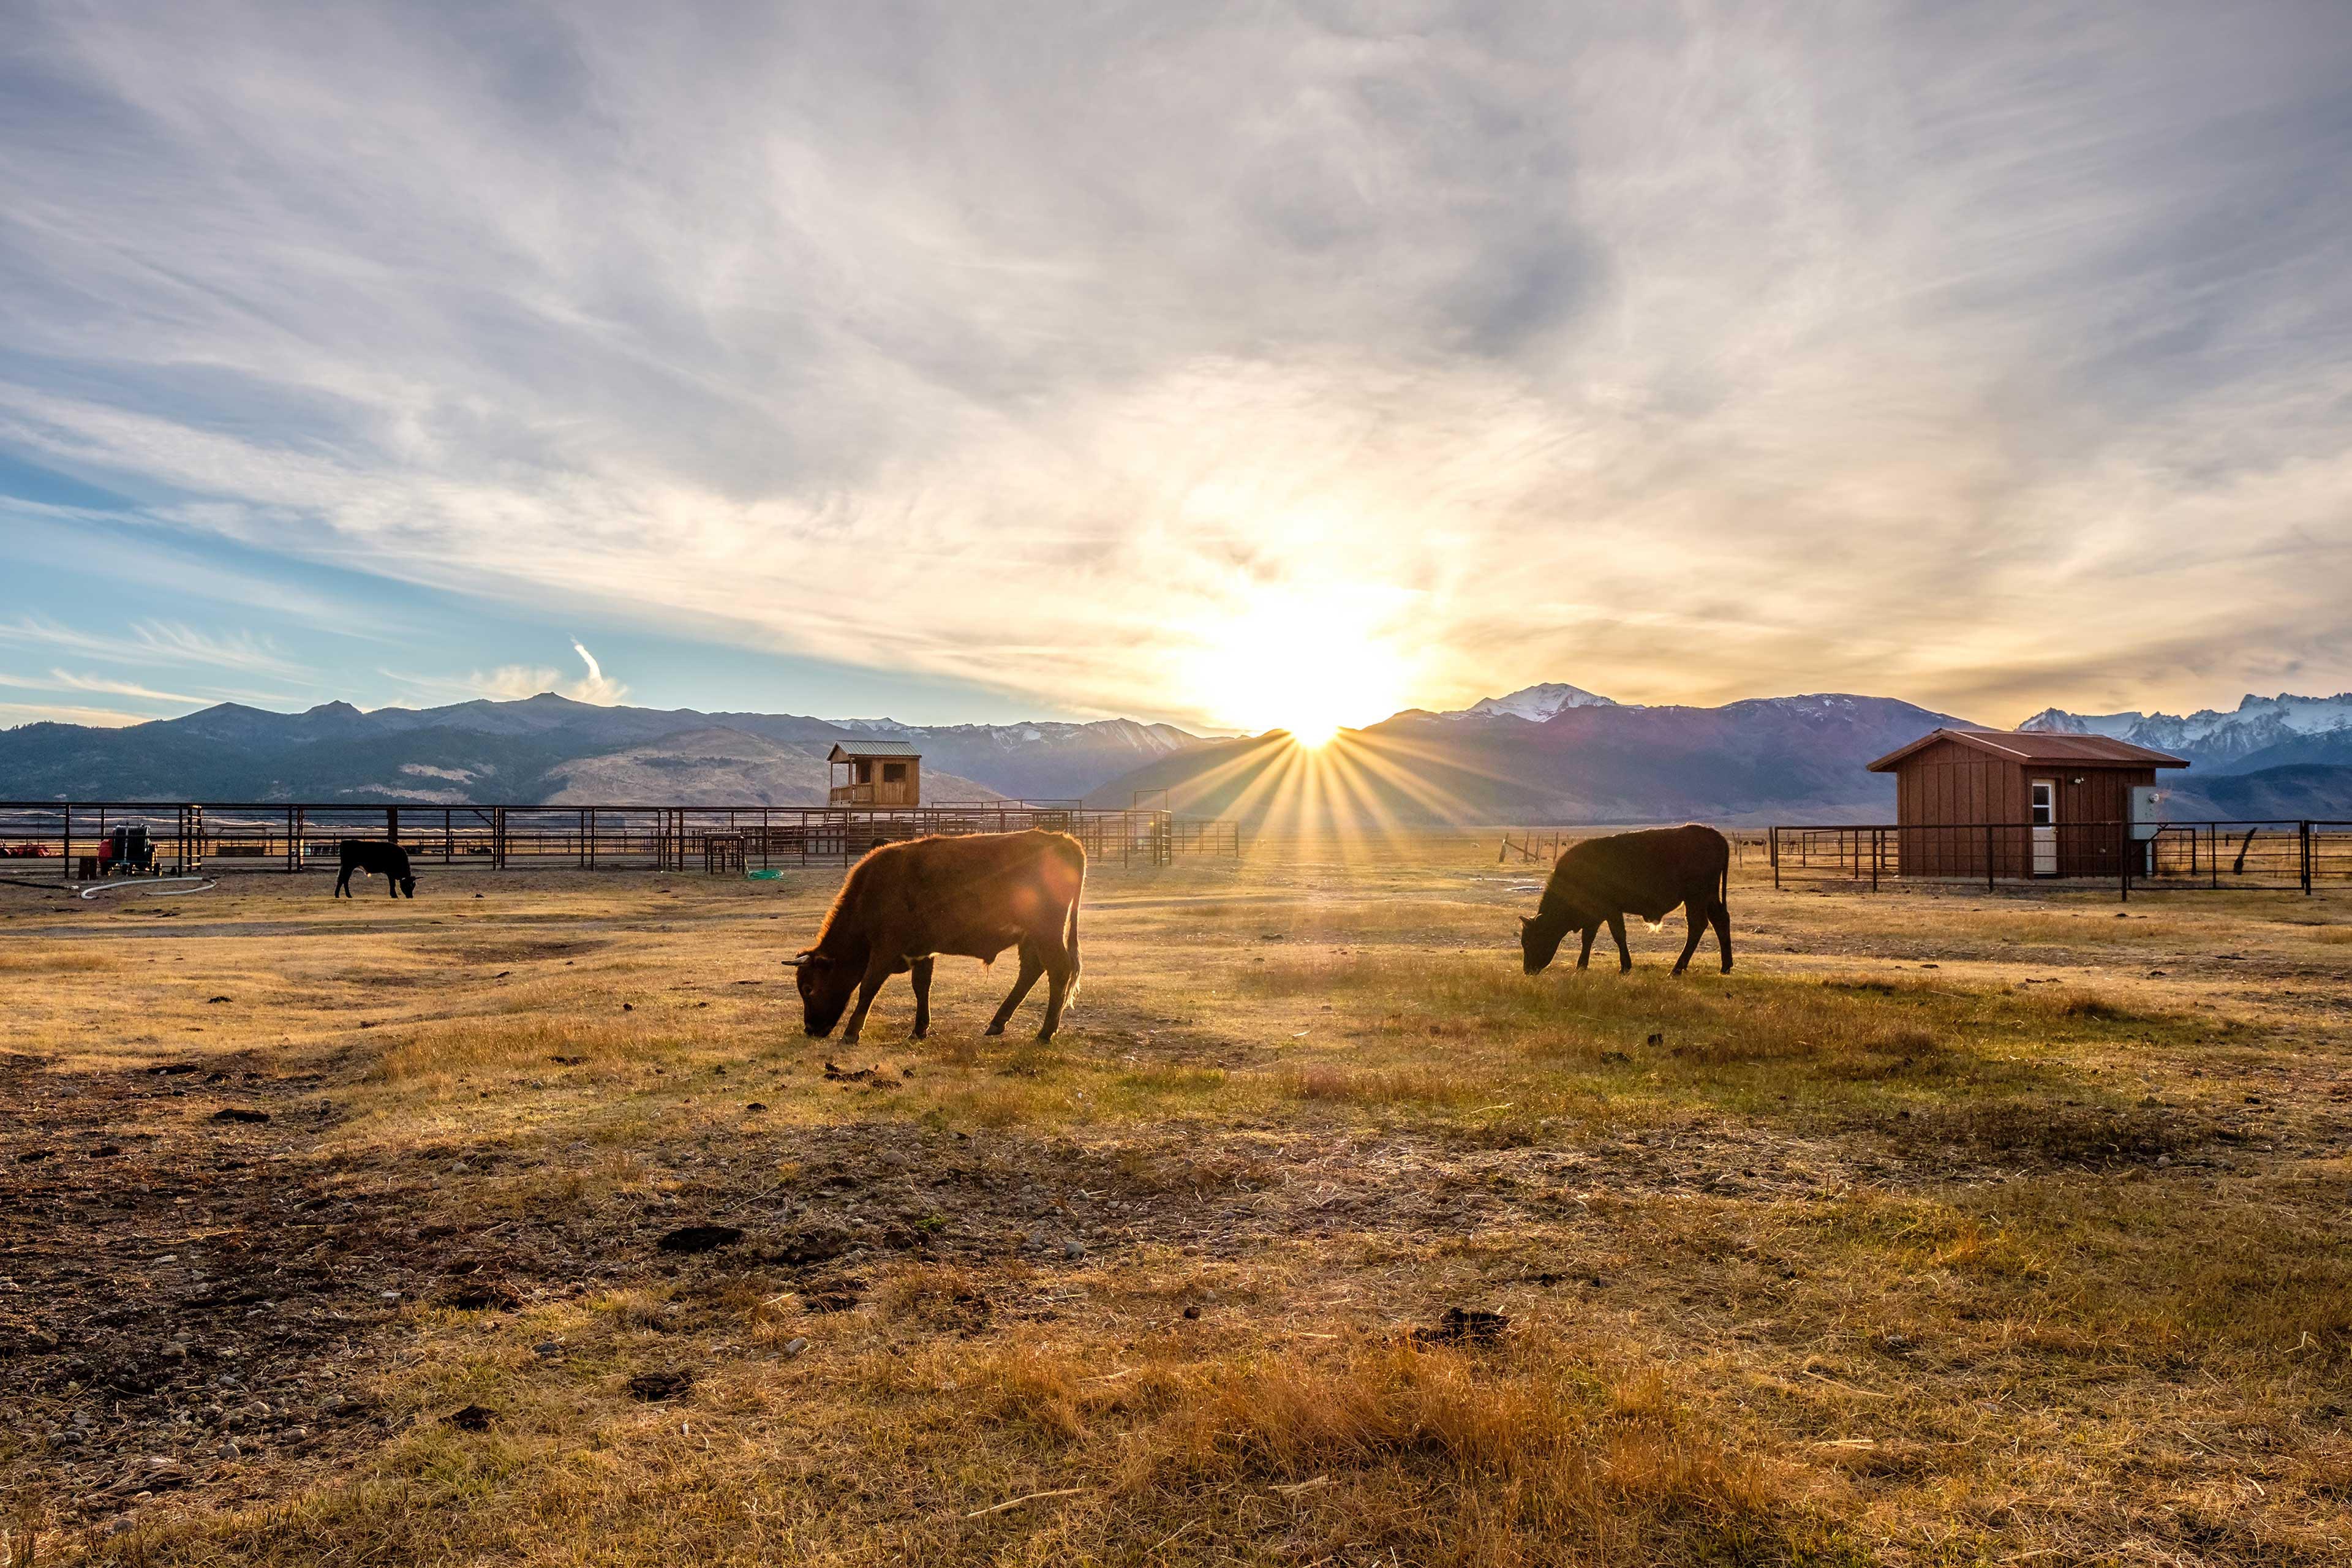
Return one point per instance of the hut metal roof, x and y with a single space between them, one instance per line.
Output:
2035 747
856 750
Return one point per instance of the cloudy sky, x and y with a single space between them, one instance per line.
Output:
974 361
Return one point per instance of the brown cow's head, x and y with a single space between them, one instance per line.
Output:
825 983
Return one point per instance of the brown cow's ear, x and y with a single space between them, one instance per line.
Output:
1526 921
797 960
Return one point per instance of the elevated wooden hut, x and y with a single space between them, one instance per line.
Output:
879 773
2003 803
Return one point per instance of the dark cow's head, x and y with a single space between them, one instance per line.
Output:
825 983
408 885
1539 939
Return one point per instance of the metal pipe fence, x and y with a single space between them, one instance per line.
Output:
2278 855
1544 846
70 840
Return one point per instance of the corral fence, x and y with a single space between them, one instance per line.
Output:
1543 845
2282 855
59 841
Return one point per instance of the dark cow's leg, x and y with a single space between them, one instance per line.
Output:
878 971
1585 956
1721 917
919 975
1624 953
1695 911
343 885
391 887
1032 966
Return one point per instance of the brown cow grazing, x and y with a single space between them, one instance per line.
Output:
1601 880
971 897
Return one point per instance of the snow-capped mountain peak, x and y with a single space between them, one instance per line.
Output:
2211 736
1534 703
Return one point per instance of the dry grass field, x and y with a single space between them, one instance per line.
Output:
1951 1229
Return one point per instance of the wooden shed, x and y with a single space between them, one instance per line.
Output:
2003 803
875 774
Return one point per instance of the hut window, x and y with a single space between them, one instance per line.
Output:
865 772
894 773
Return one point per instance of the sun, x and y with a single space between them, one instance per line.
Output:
1310 663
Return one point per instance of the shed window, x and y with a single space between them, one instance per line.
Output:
865 772
2044 790
894 773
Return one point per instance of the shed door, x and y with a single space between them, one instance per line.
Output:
2043 799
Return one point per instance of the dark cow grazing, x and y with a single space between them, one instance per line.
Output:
1601 880
379 858
970 896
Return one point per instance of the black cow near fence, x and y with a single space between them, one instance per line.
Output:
378 858
1601 880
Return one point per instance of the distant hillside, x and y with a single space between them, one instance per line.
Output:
544 749
2304 790
1791 756
1550 753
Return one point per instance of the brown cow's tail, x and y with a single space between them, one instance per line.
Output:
1070 936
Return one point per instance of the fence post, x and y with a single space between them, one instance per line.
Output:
2303 835
2213 851
65 849
1772 849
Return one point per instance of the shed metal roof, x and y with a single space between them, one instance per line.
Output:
2040 746
892 750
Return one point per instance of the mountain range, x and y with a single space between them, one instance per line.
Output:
1548 753
2261 732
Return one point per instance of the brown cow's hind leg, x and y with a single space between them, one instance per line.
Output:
1624 953
1058 971
1721 918
919 975
1032 966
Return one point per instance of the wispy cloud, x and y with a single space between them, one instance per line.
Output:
510 682
156 642
596 687
1683 353
65 680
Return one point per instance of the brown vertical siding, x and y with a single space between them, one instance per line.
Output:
1947 793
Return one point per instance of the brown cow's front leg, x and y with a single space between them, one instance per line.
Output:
1624 953
877 970
1584 957
1697 929
919 975
1032 966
